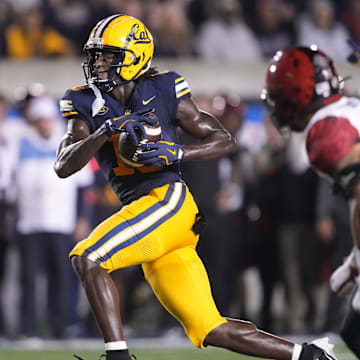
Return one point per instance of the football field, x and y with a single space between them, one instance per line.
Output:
143 354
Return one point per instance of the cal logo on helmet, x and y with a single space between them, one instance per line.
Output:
141 37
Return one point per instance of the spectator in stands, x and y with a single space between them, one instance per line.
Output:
7 164
333 230
263 210
226 38
233 226
298 245
5 15
72 19
274 25
318 26
351 18
45 221
116 6
171 29
28 36
198 12
134 8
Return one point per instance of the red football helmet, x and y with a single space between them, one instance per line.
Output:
299 81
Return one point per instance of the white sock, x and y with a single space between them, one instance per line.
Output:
116 345
296 352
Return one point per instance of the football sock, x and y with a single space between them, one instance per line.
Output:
350 331
296 352
117 350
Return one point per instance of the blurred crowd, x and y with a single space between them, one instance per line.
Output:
213 30
267 213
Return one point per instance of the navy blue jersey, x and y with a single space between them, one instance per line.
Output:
161 91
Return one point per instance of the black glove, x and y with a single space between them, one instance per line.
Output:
319 349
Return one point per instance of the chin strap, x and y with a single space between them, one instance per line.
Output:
99 101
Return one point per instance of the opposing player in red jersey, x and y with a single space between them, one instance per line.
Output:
304 93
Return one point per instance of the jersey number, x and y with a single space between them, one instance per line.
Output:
121 169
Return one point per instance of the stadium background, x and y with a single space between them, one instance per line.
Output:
227 85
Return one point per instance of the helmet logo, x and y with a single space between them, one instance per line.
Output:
139 37
103 110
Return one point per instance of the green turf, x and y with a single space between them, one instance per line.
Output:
141 354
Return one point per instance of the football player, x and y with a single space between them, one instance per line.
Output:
304 93
159 224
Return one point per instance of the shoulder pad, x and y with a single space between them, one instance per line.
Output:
78 88
160 73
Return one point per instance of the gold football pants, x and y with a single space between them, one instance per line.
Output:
156 231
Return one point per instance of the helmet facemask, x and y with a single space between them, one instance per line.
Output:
283 114
93 74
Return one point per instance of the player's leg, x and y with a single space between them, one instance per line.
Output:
344 276
180 282
243 337
31 252
127 238
102 295
350 329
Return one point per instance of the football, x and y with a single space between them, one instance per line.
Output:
127 149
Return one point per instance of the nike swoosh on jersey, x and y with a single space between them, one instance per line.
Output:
145 102
171 151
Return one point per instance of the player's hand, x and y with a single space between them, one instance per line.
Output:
129 123
354 57
161 153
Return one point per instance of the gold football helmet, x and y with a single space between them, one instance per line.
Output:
131 43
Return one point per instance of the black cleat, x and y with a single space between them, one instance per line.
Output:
103 356
319 349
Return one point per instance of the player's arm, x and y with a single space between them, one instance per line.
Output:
215 140
347 176
348 179
77 147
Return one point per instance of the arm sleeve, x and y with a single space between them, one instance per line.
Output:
181 87
67 108
71 107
